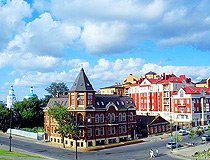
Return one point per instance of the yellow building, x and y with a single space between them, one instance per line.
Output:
203 83
116 89
130 80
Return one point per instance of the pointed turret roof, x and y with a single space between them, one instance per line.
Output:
82 83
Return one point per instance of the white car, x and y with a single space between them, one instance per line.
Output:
183 132
205 128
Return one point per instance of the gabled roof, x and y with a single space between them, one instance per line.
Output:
150 120
113 86
82 83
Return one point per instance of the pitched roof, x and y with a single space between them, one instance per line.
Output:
113 86
121 102
150 120
82 83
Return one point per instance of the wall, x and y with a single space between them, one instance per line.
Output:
38 136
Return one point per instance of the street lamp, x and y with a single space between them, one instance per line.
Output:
10 133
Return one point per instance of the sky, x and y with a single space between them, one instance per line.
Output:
45 41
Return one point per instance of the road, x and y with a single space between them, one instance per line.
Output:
130 152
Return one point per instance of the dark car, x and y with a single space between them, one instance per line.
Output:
205 137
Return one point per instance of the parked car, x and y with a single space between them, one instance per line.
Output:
183 132
205 128
205 137
172 145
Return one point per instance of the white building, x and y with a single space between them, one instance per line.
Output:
11 99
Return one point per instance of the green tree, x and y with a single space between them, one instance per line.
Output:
56 87
67 125
192 134
28 113
199 131
4 118
178 136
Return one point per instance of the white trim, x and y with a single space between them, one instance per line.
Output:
110 104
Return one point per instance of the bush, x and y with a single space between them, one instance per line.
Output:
35 129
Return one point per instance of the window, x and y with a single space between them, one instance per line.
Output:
155 129
120 117
163 128
159 128
97 131
182 102
109 130
145 101
188 109
151 130
175 101
102 131
141 100
131 116
113 117
188 101
102 103
97 118
89 120
120 129
118 103
89 132
124 117
90 98
109 117
122 103
98 103
101 117
175 108
80 99
187 117
113 130
166 128
72 99
124 129
145 94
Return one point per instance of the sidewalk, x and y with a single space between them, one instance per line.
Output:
189 151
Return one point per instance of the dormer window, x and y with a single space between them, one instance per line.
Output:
102 102
118 103
98 103
122 103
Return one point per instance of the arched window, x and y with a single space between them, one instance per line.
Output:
89 119
113 117
120 117
80 119
124 117
131 116
97 118
109 117
101 117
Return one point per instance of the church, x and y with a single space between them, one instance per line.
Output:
102 119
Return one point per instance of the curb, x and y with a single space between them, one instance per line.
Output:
112 145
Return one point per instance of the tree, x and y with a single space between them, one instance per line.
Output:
178 136
192 134
4 118
67 125
56 87
28 113
199 131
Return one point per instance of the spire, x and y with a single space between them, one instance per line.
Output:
82 83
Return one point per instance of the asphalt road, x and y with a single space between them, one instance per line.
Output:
129 152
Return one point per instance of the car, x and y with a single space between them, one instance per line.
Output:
205 137
205 128
172 145
183 132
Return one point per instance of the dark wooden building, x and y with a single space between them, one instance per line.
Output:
148 125
102 119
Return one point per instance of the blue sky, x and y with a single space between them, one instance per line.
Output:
44 41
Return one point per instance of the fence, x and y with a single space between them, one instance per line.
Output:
38 136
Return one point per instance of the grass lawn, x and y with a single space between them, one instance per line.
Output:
4 152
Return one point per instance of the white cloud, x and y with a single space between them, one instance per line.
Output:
195 72
12 14
44 36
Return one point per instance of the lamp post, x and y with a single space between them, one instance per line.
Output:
10 133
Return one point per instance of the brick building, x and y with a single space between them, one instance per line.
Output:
102 119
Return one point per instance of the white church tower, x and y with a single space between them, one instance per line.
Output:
11 99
